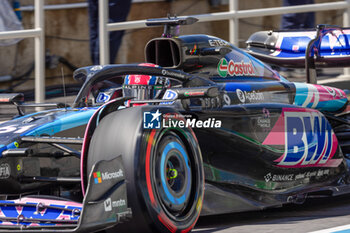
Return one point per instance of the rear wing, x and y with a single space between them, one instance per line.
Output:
326 46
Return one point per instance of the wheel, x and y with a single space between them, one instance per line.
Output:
164 170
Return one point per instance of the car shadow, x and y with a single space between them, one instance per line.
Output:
315 208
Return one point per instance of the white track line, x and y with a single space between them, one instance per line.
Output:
334 229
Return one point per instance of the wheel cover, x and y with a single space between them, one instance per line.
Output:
173 176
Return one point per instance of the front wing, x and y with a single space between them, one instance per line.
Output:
104 205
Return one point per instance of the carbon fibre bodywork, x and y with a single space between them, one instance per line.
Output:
264 142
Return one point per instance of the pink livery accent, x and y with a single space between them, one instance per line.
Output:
319 97
329 93
276 136
48 202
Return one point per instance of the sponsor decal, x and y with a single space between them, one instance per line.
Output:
194 50
222 67
232 68
109 204
309 174
278 177
302 130
264 122
169 95
308 139
170 73
119 203
270 177
216 43
99 177
194 93
240 95
266 113
252 96
138 79
143 86
102 97
5 171
152 120
331 91
227 99
112 175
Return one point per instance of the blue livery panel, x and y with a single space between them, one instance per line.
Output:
48 122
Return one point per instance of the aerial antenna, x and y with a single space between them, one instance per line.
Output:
64 89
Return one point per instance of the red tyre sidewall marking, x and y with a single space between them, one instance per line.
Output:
161 216
163 219
148 173
190 227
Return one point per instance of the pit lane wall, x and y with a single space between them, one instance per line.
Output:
67 33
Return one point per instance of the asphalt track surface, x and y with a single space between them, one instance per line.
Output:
313 215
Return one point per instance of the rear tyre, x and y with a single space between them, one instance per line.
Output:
164 170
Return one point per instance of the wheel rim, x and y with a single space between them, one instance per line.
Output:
173 176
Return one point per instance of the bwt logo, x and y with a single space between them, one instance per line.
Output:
152 120
309 140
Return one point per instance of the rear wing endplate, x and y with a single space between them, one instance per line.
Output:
327 46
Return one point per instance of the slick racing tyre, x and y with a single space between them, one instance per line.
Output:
163 166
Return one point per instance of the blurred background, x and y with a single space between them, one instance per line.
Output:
67 35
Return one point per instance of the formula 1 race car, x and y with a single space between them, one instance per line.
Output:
201 128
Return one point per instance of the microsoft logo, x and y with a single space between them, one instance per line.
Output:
97 176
